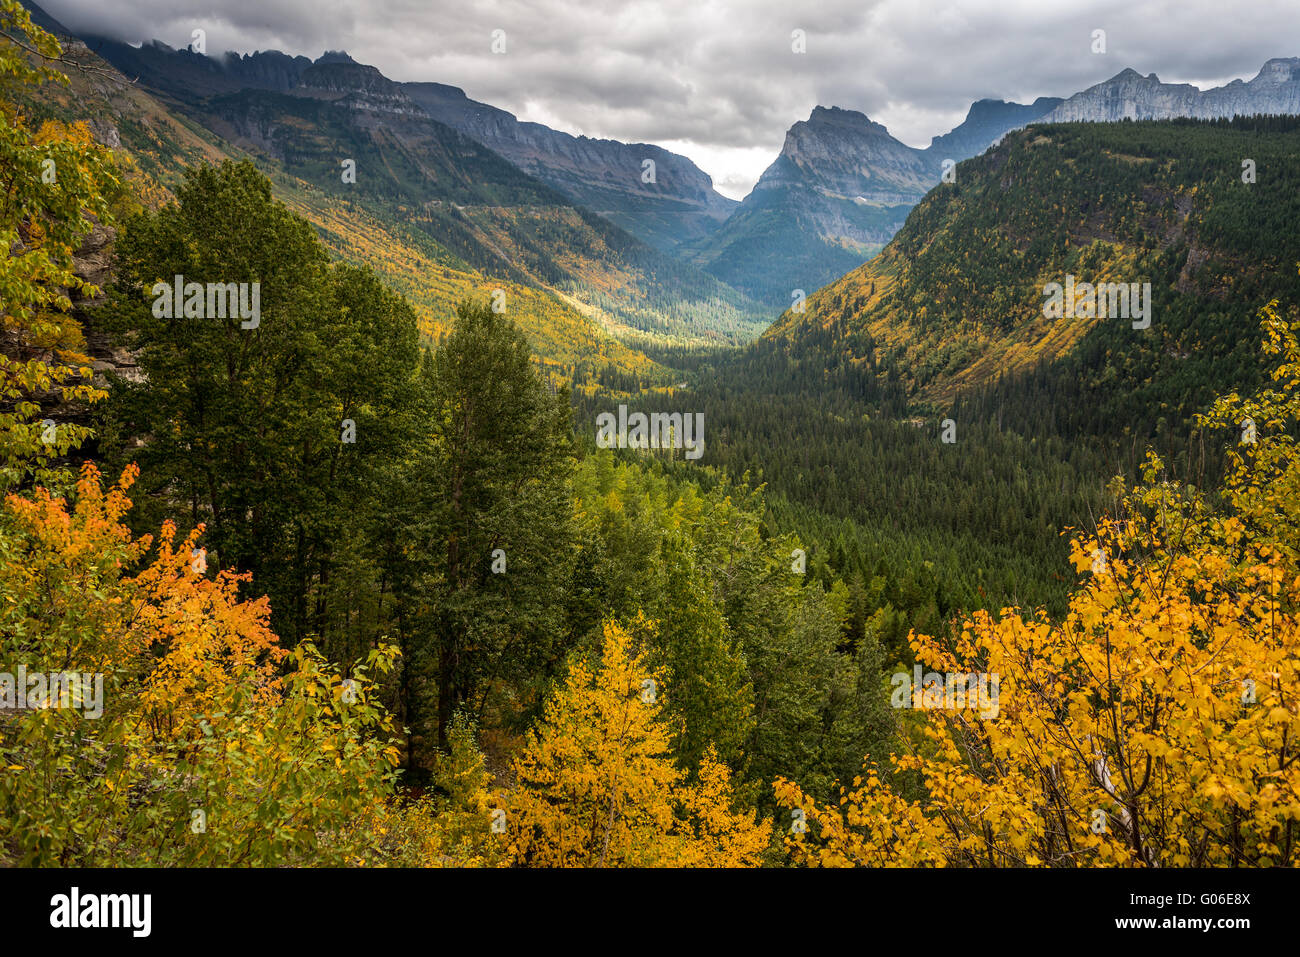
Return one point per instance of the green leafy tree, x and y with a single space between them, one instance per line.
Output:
273 429
482 531
55 182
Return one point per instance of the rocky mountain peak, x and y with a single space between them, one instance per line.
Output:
851 122
339 78
1277 71
843 153
831 129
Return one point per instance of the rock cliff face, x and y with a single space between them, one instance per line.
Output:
94 263
606 176
1130 96
355 86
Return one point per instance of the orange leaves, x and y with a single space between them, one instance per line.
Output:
204 631
204 717
94 522
67 555
212 639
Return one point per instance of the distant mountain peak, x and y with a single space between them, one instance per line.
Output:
833 113
1132 96
987 121
985 106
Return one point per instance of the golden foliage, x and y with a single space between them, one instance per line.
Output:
596 786
1155 725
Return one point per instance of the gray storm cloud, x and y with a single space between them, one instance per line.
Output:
720 75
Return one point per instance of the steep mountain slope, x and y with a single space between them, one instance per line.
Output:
162 142
603 175
839 190
606 176
481 209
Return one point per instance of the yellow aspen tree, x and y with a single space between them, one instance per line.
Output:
596 784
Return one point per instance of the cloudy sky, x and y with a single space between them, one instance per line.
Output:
719 80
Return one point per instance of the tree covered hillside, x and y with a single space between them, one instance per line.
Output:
956 300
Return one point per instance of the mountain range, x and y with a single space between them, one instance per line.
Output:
605 176
839 189
1128 95
445 217
842 186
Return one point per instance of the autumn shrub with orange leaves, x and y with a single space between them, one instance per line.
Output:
1157 724
215 746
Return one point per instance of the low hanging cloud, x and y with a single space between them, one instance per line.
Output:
718 79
